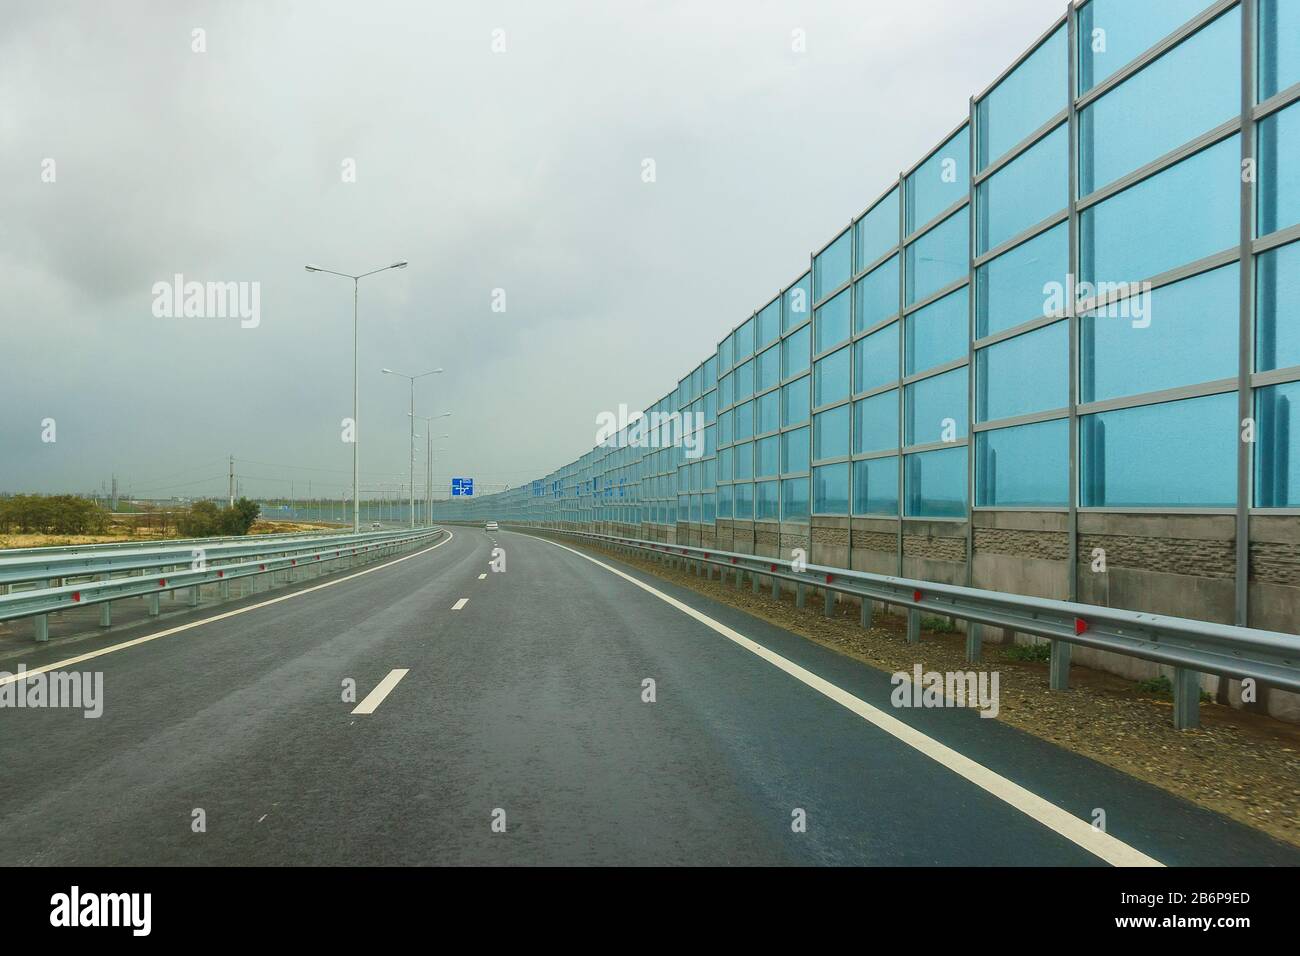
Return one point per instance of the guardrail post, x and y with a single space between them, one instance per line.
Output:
1059 666
755 581
225 589
913 626
800 594
106 609
42 626
194 596
740 578
866 612
152 600
776 588
1187 699
828 608
974 642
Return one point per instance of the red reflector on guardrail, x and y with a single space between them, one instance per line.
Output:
733 560
162 582
221 574
261 567
830 578
76 595
773 567
294 562
1080 625
916 595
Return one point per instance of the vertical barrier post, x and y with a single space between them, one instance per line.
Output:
974 642
913 626
1187 699
1059 666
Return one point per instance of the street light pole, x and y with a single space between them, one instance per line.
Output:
428 430
356 388
411 413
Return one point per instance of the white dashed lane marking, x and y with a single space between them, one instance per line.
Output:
460 604
382 690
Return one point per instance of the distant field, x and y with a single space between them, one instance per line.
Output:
124 532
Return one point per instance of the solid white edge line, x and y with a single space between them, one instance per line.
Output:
12 678
460 604
1077 831
382 690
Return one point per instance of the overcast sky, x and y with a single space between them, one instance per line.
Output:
518 170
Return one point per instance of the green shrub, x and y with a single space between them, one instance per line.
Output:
52 514
1030 653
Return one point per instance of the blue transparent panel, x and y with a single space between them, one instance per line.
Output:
1178 454
1127 29
795 354
939 258
877 296
744 501
1277 324
1029 373
1033 93
709 508
1188 91
769 323
743 341
794 499
1010 290
832 266
831 434
743 380
798 304
769 413
744 421
875 487
939 182
936 483
832 321
878 231
795 400
937 333
711 406
831 489
1277 461
725 434
1181 334
831 378
1279 171
710 372
1183 214
1030 188
724 354
769 369
875 359
743 461
1023 467
726 389
725 458
935 406
875 423
794 451
767 501
1279 46
768 464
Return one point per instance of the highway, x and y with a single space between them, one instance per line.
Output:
522 705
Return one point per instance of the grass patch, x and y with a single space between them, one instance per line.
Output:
1028 653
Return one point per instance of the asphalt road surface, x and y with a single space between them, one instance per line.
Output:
499 719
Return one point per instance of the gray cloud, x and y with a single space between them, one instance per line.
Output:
518 171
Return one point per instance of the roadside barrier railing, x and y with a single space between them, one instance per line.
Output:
1190 647
68 581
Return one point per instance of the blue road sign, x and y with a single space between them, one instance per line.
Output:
462 487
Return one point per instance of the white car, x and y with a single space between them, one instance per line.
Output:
491 526
375 526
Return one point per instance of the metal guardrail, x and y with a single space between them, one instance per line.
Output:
1191 647
158 542
27 568
179 568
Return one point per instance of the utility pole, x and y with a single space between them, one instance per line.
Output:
232 481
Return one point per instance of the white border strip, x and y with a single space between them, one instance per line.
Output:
1077 831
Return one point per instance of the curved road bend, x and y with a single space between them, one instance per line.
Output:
527 699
